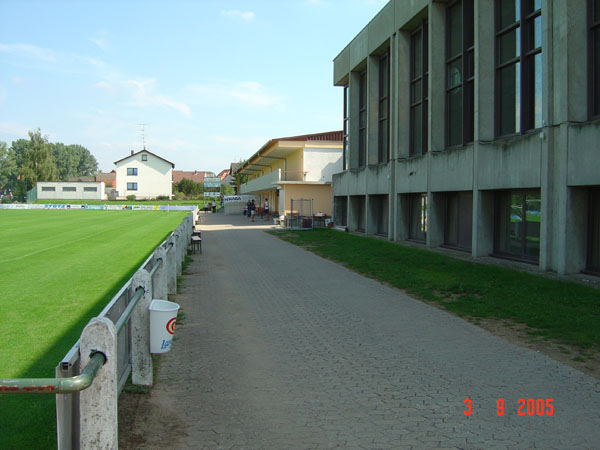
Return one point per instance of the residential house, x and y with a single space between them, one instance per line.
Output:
144 175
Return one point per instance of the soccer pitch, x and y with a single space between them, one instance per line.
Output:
57 270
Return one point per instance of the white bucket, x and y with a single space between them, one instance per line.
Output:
163 315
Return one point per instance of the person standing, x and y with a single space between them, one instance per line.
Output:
267 215
252 210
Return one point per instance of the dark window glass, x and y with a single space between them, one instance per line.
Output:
517 224
459 220
362 120
132 171
460 72
418 91
48 188
594 54
593 263
144 157
384 88
90 189
345 158
518 66
418 217
596 87
132 186
69 189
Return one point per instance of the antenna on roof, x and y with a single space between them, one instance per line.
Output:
143 135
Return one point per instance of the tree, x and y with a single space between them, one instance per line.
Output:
38 162
73 161
227 190
8 168
189 188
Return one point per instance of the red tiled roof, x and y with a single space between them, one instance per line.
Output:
194 175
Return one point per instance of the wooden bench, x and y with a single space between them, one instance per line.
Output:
196 243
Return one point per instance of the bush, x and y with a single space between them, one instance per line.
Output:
179 196
131 198
162 197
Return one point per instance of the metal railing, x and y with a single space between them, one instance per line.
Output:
113 345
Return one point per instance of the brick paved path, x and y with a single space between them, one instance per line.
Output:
282 349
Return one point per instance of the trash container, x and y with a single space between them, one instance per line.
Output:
163 315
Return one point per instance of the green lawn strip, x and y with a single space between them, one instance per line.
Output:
126 202
47 297
556 309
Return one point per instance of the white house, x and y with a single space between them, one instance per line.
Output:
144 175
70 190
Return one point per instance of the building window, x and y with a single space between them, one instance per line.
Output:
418 217
460 73
69 188
593 257
459 220
91 189
517 224
48 188
362 120
132 186
418 90
384 109
132 171
594 56
144 157
346 123
518 66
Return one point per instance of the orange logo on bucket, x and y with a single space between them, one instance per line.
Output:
171 325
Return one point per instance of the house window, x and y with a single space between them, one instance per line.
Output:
517 224
132 171
418 90
459 220
144 157
132 186
362 120
418 217
91 189
594 56
460 73
518 66
69 188
593 257
48 188
384 108
346 123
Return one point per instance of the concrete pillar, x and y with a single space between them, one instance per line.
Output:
178 251
171 266
160 288
141 360
437 76
483 223
98 403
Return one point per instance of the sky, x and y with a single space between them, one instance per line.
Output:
212 80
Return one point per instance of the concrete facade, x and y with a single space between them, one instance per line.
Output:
293 168
144 175
550 166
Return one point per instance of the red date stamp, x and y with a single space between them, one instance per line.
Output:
524 407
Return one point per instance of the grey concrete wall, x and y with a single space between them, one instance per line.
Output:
452 170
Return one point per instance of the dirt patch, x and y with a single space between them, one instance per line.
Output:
148 422
585 360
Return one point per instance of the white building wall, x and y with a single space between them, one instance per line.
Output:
67 190
154 176
321 163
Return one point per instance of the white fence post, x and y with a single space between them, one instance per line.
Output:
141 360
98 403
171 265
160 290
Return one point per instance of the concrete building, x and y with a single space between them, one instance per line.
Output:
474 125
292 168
144 175
70 190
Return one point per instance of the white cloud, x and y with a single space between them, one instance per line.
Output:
246 16
143 93
28 50
249 93
101 40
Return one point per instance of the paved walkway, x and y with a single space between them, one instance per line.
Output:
282 349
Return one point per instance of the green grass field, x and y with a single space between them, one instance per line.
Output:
57 270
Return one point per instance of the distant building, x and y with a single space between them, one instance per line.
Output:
144 175
197 176
70 190
292 168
